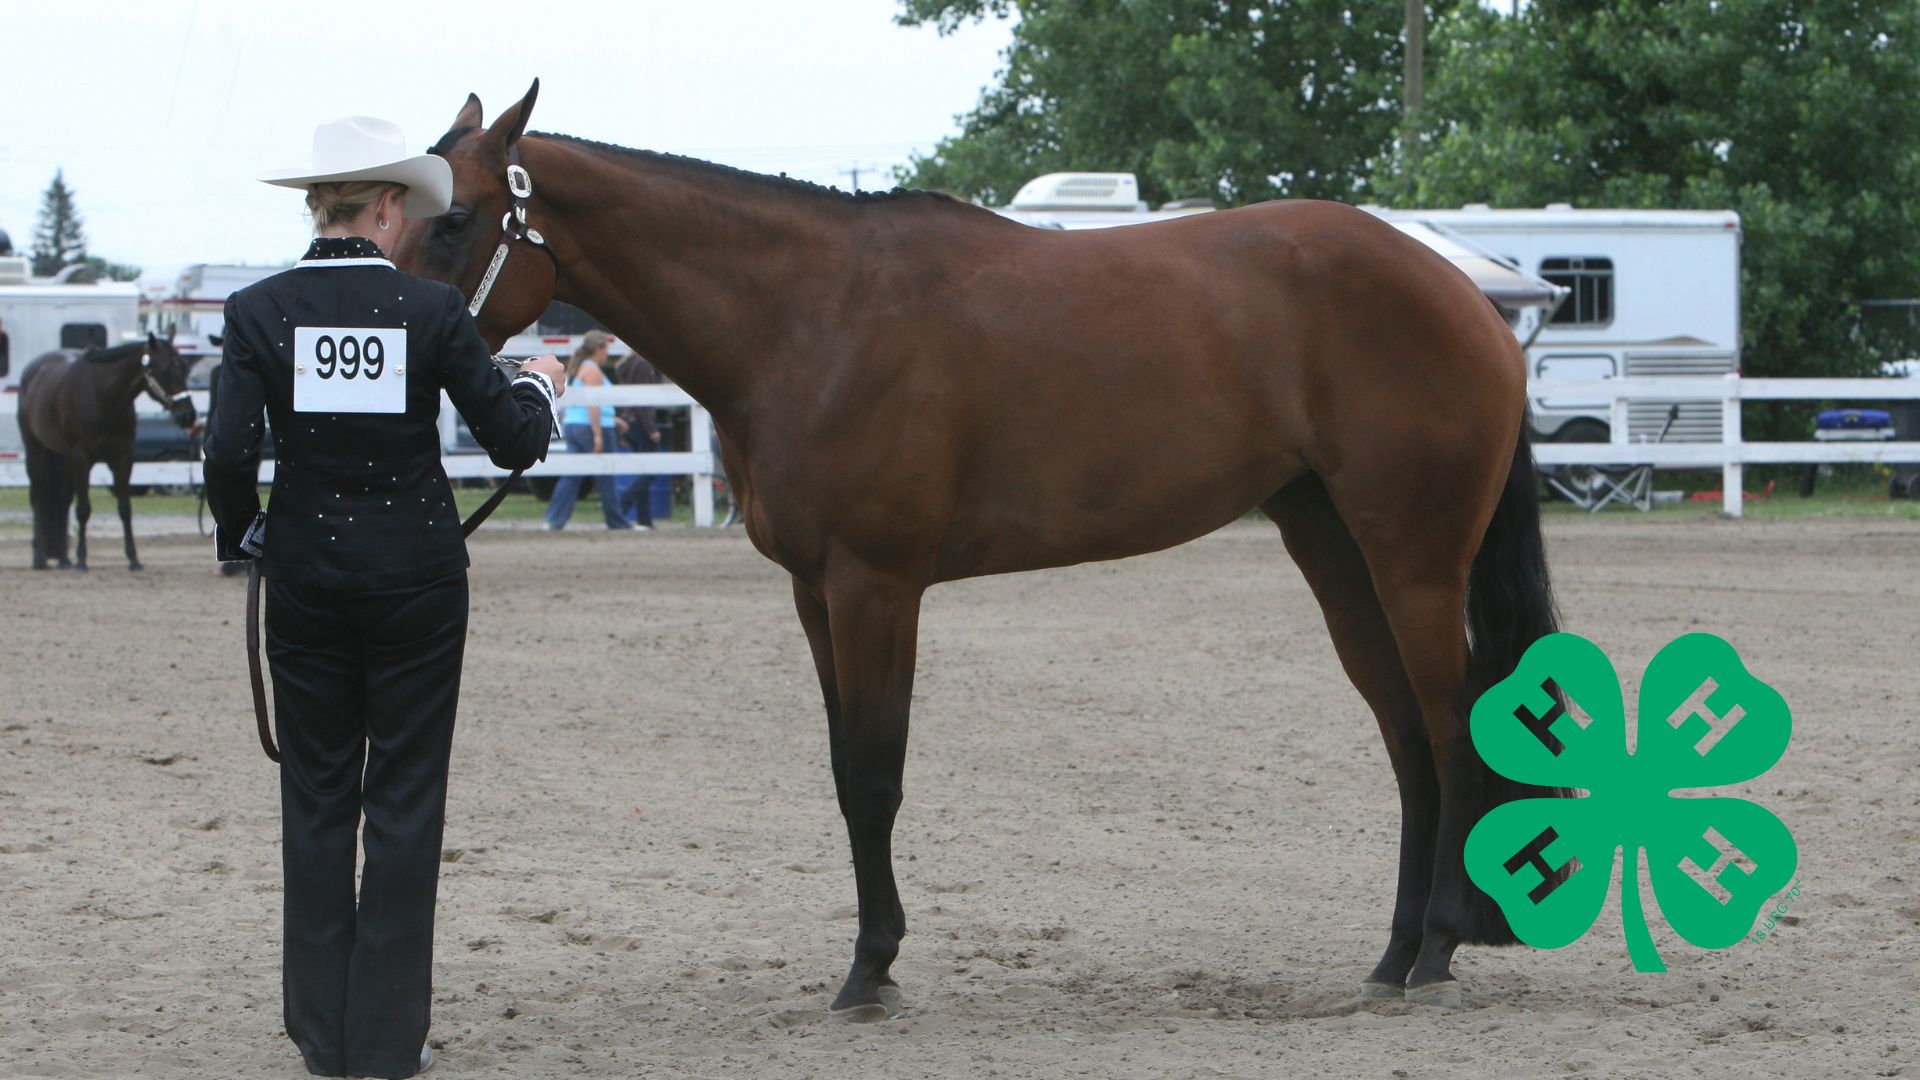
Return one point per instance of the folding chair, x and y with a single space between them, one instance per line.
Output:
1635 488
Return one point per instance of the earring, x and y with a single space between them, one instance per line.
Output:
383 223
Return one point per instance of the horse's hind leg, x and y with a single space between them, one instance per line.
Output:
78 472
1420 550
1337 572
40 483
869 628
123 496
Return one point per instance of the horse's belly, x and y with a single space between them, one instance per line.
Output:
1138 503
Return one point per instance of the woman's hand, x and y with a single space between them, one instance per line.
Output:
620 424
553 369
599 444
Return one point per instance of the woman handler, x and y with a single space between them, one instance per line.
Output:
365 571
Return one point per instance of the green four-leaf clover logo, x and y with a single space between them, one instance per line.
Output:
1559 721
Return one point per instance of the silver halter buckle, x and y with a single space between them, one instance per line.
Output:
519 182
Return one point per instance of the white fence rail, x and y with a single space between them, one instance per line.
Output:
1730 455
697 463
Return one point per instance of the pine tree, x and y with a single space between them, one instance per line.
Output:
59 240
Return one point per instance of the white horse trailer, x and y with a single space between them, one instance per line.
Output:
38 316
1649 293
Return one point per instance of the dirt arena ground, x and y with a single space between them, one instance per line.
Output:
1149 828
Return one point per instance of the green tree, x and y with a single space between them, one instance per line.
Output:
113 271
59 239
1229 99
1802 115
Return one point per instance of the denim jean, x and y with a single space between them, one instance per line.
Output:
631 492
566 490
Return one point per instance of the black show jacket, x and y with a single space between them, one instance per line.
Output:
359 499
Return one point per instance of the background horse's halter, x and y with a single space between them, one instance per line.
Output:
153 385
513 227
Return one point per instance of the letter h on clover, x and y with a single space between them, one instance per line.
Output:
1559 722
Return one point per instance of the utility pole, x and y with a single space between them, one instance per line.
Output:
1416 62
853 173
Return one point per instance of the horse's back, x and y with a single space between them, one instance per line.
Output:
1173 375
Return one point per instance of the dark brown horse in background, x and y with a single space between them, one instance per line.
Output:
77 409
912 390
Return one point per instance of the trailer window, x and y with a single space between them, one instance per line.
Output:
1590 281
83 336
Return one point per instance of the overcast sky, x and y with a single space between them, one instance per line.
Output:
162 112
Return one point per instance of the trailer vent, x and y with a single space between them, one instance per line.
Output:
1699 421
1080 191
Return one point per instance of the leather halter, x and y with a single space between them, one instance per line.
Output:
513 228
153 385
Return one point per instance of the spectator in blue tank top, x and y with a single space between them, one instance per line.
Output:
587 429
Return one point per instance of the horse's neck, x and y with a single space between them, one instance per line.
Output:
703 272
123 382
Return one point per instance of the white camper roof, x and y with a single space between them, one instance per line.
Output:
1559 216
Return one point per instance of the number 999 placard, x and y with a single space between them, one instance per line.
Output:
344 369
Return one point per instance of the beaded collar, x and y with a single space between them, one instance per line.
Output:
350 250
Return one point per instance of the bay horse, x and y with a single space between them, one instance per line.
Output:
911 390
76 408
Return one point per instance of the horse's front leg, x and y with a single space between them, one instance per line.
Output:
871 622
123 495
79 472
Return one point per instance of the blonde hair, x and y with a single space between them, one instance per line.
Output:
338 201
591 342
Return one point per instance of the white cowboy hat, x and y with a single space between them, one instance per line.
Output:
368 148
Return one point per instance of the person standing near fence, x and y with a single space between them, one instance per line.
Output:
587 429
641 435
365 574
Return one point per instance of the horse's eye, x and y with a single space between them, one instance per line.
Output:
455 220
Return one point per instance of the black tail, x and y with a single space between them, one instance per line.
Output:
1509 607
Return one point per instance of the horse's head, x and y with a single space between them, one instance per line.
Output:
166 374
460 245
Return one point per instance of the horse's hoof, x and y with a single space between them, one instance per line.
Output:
1445 994
860 1014
136 567
892 1006
1379 991
79 568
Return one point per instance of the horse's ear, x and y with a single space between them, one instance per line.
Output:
507 129
469 114
152 342
172 329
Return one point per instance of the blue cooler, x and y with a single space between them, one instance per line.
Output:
1862 420
660 498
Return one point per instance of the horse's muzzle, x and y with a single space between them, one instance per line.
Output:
183 413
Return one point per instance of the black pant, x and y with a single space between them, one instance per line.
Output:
364 686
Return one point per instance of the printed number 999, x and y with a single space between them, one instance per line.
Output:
349 357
